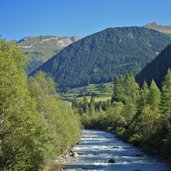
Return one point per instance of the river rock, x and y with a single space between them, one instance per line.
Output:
94 154
73 154
138 155
111 161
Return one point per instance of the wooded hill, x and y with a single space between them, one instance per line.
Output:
157 69
104 55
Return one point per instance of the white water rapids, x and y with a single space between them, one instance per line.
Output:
97 147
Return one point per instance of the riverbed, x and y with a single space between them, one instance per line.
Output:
96 148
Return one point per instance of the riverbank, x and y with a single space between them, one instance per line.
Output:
59 164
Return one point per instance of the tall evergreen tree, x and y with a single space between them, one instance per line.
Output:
166 99
85 105
166 106
154 97
92 105
144 94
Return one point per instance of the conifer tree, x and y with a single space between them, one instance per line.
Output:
166 103
85 105
166 98
92 105
154 97
144 94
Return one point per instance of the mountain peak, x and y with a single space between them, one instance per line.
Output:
154 23
161 28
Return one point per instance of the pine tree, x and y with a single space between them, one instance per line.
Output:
144 94
154 97
166 103
166 99
165 132
92 105
85 105
130 97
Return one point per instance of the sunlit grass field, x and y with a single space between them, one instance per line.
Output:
102 92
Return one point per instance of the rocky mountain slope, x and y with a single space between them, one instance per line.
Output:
161 28
41 48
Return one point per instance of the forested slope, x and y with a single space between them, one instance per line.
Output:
157 68
104 55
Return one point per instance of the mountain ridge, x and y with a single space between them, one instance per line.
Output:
41 48
104 55
161 28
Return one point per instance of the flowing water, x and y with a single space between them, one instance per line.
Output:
97 147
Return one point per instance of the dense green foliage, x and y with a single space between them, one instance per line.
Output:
139 116
104 55
35 125
41 48
157 68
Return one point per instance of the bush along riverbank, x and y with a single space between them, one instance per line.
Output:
36 126
140 116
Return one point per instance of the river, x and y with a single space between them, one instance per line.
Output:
97 147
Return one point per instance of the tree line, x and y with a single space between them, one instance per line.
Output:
138 115
36 126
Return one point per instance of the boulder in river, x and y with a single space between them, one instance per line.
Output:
111 161
94 154
138 155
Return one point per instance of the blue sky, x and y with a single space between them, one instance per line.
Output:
21 18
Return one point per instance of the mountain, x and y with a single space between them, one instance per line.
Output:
160 28
101 56
41 48
157 69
